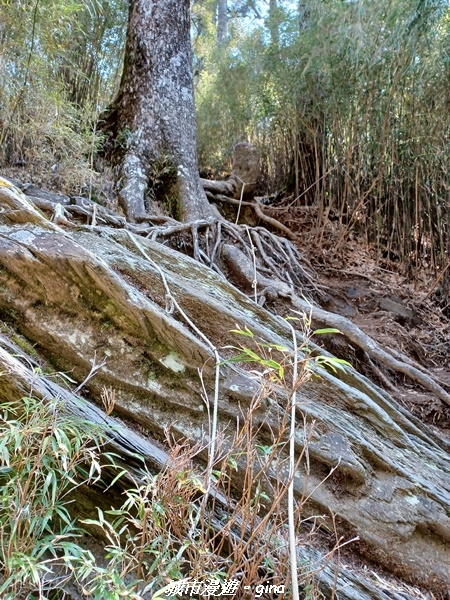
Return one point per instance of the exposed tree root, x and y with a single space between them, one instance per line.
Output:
380 469
257 260
381 376
354 334
257 207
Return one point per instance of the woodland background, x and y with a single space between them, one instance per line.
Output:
346 101
103 319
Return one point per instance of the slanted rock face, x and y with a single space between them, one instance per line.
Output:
91 294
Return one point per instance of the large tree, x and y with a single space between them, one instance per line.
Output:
152 119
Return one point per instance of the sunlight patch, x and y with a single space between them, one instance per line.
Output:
171 362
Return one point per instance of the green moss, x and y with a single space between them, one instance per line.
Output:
163 179
122 137
25 345
173 202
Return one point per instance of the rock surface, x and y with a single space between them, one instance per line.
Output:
89 294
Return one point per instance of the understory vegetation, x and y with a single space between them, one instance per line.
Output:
204 471
164 530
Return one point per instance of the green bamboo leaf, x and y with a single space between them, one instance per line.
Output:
325 331
334 363
246 332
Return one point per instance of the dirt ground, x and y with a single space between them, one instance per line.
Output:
404 312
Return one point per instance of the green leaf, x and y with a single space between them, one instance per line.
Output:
233 463
325 331
334 363
246 332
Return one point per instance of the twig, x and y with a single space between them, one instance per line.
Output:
257 207
291 512
255 271
94 369
240 202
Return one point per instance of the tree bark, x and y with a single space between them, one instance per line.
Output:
222 23
152 120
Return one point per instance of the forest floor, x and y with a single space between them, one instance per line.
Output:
400 311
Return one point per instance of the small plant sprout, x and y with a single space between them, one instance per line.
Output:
289 369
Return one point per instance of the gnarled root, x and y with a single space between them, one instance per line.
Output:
258 260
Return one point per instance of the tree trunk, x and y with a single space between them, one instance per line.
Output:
100 293
303 15
153 117
273 23
222 23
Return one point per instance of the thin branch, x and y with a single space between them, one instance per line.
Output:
291 512
94 370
